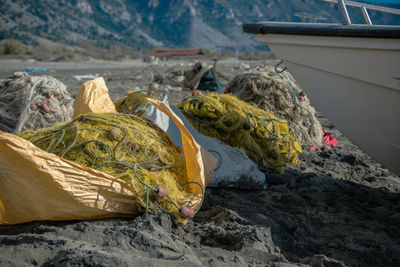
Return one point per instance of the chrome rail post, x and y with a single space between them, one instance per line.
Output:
368 6
366 16
345 14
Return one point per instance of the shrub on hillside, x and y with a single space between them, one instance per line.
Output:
13 47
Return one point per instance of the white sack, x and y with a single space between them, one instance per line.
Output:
235 169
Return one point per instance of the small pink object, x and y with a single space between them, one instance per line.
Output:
45 107
33 107
313 148
161 191
329 138
186 212
48 94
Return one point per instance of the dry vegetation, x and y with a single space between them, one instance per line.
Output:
13 47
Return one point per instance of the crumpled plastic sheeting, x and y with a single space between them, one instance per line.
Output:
36 185
93 97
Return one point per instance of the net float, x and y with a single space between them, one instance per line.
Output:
161 191
45 108
186 212
134 146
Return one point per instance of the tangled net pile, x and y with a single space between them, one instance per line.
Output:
33 102
129 148
266 139
280 94
134 103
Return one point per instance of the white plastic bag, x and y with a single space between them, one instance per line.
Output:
234 168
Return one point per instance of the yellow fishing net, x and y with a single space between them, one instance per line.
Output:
134 103
129 148
266 139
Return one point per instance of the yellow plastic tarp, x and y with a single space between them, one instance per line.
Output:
37 185
93 97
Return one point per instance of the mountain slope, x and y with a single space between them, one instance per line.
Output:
155 23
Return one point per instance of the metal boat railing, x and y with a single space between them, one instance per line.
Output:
364 9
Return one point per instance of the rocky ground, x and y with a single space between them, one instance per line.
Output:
336 208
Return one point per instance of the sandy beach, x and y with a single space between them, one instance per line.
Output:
336 208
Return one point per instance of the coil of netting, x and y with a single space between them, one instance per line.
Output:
33 102
265 138
134 103
280 94
129 148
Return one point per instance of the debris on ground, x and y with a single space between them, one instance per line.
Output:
202 78
34 70
84 77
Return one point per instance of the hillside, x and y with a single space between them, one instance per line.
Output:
213 24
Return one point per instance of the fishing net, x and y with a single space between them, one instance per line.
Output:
129 148
280 94
266 139
33 102
135 103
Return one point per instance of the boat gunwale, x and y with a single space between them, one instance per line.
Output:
324 29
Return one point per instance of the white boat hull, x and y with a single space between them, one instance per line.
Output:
353 82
